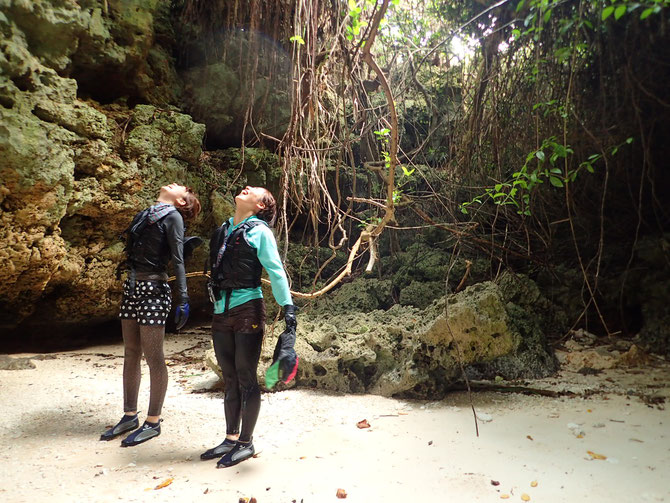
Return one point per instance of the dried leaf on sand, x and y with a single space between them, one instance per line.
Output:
165 483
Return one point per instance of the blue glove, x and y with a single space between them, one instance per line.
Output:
181 316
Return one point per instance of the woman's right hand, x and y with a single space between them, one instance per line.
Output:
181 316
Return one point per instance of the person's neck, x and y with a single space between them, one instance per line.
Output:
164 200
241 215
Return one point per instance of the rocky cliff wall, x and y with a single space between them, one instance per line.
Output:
92 123
74 170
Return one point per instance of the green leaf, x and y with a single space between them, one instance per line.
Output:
540 155
646 13
520 5
562 53
560 150
565 26
607 12
529 19
629 140
464 210
620 11
555 181
589 168
516 33
297 38
556 171
498 186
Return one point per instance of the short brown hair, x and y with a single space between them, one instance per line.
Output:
269 213
192 208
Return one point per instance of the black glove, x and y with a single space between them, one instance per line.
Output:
284 352
190 244
181 316
290 319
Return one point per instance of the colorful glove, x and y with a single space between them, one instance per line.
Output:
181 316
284 361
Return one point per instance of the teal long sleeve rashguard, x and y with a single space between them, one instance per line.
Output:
263 240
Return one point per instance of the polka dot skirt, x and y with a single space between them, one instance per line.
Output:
149 303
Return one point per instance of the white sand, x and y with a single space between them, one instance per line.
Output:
309 445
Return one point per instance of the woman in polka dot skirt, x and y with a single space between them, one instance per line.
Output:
156 236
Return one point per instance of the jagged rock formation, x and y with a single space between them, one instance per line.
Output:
91 125
74 171
492 329
67 198
242 87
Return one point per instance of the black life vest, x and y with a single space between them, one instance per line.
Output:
239 266
147 248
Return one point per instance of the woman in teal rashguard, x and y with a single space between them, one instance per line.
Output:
239 250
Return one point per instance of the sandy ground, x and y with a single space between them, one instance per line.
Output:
530 448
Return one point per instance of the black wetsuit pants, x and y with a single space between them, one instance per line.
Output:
238 337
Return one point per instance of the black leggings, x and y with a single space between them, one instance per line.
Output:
238 337
147 339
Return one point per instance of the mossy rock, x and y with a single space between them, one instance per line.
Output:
421 294
359 296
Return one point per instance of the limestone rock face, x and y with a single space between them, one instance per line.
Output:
109 48
408 352
244 79
66 198
651 292
74 172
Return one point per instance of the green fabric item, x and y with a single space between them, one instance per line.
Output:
272 375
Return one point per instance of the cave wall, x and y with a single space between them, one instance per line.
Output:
76 167
93 120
